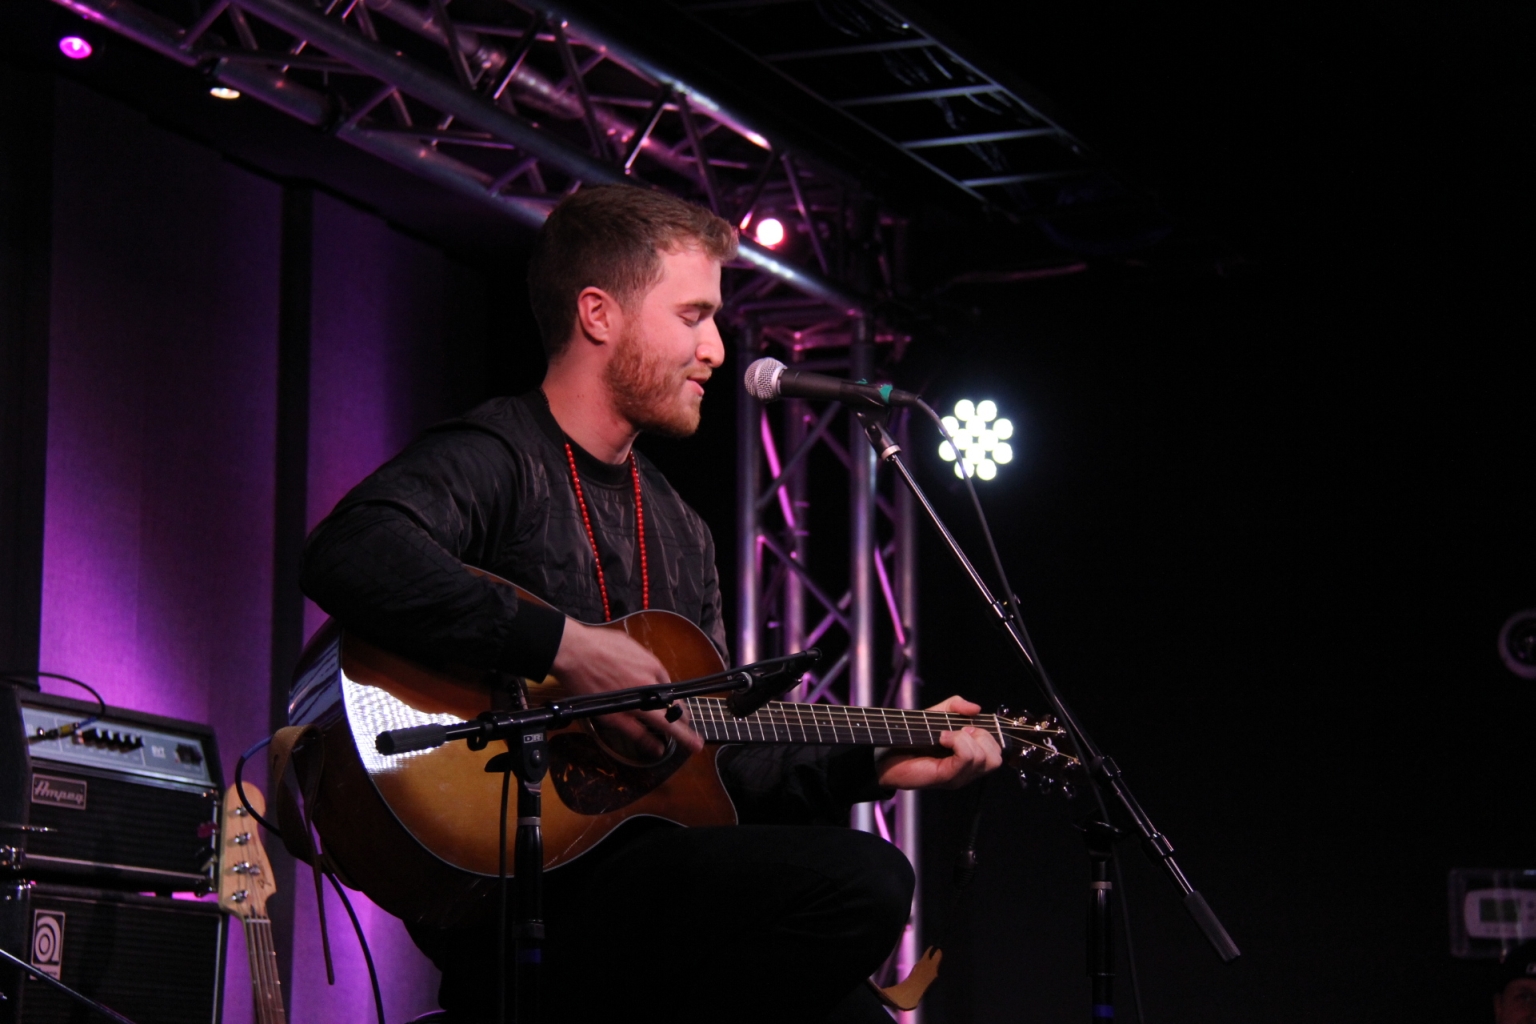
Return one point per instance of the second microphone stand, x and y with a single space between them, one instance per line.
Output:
1102 769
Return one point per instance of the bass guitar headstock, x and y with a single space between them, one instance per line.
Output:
245 875
1031 747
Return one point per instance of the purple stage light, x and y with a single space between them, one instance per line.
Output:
74 48
770 232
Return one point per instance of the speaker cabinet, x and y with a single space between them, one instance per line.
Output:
150 958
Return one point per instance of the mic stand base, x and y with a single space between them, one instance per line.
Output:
527 758
1100 837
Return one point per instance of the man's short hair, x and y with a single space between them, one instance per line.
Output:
612 237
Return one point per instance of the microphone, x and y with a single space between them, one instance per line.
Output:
768 380
770 680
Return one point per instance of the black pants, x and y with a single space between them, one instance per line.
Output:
747 923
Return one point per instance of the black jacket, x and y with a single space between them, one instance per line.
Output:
493 489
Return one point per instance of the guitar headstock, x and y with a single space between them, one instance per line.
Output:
245 876
1032 750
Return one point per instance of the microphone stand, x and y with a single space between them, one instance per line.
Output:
43 976
1102 769
527 757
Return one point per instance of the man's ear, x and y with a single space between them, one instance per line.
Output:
599 318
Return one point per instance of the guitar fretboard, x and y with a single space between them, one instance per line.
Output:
266 985
834 724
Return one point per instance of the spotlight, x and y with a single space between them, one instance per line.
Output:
220 92
769 232
75 48
1517 644
982 437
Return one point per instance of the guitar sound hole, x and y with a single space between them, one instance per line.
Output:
590 780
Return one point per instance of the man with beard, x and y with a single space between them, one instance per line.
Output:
779 918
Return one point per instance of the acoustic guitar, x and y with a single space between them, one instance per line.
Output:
418 832
245 884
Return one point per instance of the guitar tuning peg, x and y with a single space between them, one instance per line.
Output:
1004 711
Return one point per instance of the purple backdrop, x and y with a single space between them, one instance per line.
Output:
375 351
158 543
157 571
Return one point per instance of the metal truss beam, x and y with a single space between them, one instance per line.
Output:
273 77
785 602
939 108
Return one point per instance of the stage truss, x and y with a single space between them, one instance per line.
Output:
516 107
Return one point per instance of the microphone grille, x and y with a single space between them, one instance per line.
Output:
763 379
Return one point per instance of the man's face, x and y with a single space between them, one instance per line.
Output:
669 347
1517 1003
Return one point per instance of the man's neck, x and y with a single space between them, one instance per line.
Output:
583 407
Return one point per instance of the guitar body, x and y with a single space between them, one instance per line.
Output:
419 833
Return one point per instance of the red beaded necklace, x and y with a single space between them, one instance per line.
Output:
586 520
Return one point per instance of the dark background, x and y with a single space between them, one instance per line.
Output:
1272 503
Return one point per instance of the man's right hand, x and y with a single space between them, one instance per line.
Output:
594 659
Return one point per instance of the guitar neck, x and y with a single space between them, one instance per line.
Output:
828 724
266 984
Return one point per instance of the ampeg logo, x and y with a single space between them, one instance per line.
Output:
49 789
48 941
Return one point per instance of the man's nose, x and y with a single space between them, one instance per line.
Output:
711 351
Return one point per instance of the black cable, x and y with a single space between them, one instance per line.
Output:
1045 683
240 787
362 940
1130 948
501 927
22 674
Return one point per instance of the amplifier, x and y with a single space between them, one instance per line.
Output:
131 801
153 959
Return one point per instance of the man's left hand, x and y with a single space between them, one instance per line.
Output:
973 753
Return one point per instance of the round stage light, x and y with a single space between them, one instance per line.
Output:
220 92
769 233
75 48
981 437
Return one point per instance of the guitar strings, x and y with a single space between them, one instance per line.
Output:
256 947
890 723
778 713
950 720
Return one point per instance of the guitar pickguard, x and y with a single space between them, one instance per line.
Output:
589 781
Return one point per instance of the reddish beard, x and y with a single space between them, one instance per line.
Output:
648 392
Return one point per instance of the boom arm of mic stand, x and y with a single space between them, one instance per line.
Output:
1104 769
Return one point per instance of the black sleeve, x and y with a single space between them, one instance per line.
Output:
712 621
799 785
389 561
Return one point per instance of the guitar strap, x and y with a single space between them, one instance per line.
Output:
297 828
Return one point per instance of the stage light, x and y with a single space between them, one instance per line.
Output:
982 437
758 141
75 48
220 92
769 232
